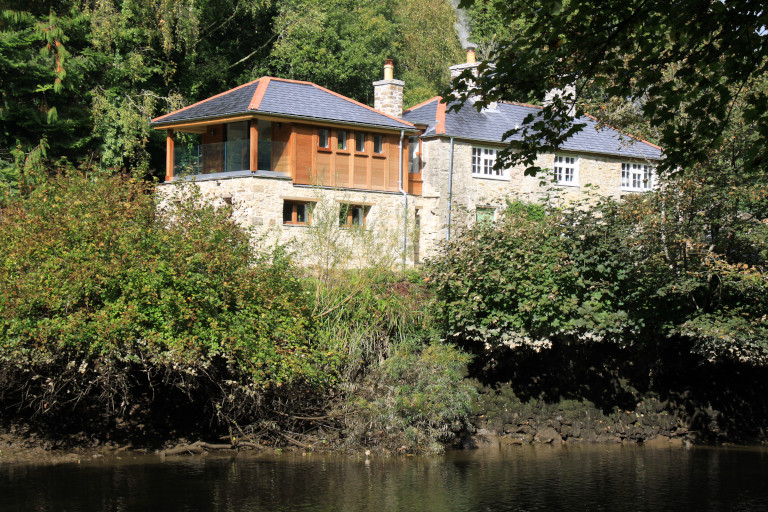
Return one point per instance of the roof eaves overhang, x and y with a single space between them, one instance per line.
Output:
255 113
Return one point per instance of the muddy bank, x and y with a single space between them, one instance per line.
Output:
512 422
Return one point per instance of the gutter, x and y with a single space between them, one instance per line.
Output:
450 194
405 197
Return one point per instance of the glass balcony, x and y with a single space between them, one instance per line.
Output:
229 157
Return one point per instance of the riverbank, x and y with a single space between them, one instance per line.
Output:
499 422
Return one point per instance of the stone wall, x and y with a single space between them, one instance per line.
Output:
388 97
596 174
257 204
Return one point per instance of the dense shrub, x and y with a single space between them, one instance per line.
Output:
107 298
416 400
665 265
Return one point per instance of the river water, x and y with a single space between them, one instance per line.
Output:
530 478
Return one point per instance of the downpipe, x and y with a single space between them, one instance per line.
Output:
405 198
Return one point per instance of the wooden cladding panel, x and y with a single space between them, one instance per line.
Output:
304 151
281 150
323 169
341 171
393 176
360 172
378 170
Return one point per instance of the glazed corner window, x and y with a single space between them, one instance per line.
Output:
414 164
485 214
637 176
341 139
360 142
566 170
483 160
297 213
322 138
378 144
351 215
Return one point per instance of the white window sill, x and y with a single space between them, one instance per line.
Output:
571 185
630 189
490 177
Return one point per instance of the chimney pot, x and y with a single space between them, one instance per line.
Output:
471 56
389 70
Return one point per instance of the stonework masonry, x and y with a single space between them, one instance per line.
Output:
596 174
388 97
257 203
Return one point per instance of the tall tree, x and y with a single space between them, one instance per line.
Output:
43 71
685 63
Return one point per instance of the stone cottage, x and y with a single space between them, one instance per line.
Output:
290 155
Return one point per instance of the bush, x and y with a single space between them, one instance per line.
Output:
664 265
417 400
108 298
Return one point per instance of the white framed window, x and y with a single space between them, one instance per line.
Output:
567 170
483 160
635 176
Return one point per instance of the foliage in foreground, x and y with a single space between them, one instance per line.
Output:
416 400
107 298
131 309
674 264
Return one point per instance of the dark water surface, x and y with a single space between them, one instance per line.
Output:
588 478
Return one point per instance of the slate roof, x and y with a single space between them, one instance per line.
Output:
491 124
281 97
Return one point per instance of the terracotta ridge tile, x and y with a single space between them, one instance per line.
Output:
430 100
258 94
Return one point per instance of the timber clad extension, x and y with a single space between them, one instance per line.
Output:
273 125
286 154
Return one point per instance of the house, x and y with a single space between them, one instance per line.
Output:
283 151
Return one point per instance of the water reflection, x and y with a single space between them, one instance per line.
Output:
589 478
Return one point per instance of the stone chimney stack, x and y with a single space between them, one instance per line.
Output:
388 93
471 64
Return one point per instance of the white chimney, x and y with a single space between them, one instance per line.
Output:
388 93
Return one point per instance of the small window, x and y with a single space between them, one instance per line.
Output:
637 176
341 139
322 138
485 214
566 170
351 215
378 144
297 213
360 142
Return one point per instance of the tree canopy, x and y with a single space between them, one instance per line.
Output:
686 66
81 80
